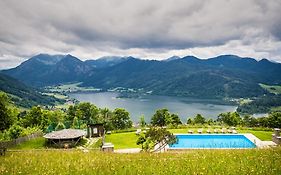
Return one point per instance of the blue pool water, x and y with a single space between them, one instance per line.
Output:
212 141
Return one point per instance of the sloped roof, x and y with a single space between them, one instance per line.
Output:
65 134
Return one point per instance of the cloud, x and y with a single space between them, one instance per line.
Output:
150 29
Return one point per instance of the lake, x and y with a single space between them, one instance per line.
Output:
147 105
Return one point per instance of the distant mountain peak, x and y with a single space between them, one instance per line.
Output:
264 59
190 58
111 58
172 58
46 58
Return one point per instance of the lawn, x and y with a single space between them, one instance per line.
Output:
243 161
272 89
123 140
38 143
262 135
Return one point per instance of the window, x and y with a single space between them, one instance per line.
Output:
95 130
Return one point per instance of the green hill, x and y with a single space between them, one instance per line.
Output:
23 95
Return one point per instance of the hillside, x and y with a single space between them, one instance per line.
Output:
219 77
23 95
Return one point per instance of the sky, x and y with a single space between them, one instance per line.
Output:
158 29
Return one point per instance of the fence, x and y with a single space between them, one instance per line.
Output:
7 144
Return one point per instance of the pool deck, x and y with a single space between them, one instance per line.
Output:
258 142
251 137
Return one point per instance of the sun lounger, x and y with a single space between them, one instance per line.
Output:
138 131
190 131
223 130
234 132
216 131
200 131
229 131
208 131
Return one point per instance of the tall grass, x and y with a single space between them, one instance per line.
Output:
251 161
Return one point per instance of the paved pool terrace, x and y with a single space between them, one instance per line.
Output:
256 141
251 137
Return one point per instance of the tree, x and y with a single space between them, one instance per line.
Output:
199 119
161 117
60 126
231 119
5 119
75 123
274 120
33 117
175 119
156 136
105 116
88 112
15 131
249 121
121 119
71 111
189 121
142 121
263 121
210 121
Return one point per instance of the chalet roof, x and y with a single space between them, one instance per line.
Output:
65 134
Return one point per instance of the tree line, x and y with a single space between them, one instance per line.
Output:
162 117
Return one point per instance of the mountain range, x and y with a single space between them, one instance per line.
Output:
218 77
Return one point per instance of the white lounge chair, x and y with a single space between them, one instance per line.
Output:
190 131
138 131
208 131
200 131
229 131
234 132
223 130
216 131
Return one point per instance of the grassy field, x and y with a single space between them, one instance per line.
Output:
72 87
56 95
123 140
248 161
38 143
272 89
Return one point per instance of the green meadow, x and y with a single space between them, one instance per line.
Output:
60 162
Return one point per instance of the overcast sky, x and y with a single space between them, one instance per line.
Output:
153 29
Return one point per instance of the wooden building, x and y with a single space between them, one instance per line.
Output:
95 130
65 138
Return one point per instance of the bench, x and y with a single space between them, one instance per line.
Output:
3 151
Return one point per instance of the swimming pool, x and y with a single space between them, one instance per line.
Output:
212 141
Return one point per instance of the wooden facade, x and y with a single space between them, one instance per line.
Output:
95 130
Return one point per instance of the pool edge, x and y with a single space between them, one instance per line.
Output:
252 138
